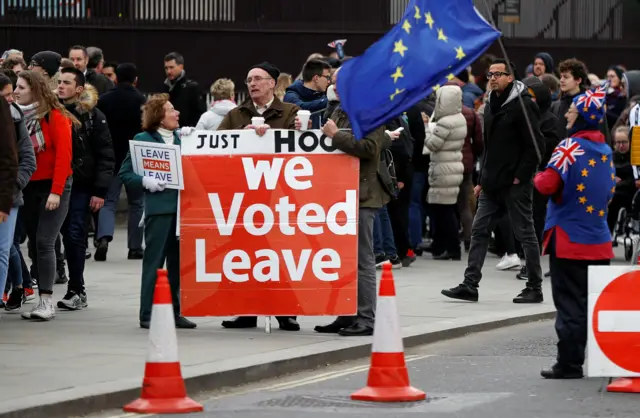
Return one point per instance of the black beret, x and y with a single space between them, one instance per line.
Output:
272 70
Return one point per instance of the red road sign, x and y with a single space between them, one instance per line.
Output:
616 321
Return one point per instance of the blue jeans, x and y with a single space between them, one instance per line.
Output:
107 218
417 209
383 242
18 274
7 230
74 233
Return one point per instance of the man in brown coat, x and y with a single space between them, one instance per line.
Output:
372 197
262 102
8 160
261 82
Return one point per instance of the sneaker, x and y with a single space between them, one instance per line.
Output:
396 263
16 299
529 296
380 260
73 301
29 294
61 277
462 292
508 262
44 310
523 275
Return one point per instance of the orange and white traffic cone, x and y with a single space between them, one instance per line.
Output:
163 389
388 379
625 385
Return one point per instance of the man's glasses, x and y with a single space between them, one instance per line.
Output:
496 74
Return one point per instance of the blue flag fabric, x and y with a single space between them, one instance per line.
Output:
588 175
432 42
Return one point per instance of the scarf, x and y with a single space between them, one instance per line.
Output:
32 121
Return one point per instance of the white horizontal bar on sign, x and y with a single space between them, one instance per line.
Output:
619 321
247 142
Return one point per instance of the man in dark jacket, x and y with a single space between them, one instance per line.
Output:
93 163
122 107
185 95
80 57
310 93
8 162
506 175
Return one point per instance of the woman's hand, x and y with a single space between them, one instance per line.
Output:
53 202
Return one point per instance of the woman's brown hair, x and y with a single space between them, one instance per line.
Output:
42 94
153 112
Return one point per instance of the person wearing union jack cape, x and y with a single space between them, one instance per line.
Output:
580 180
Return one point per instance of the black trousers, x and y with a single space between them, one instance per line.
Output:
570 291
446 237
399 215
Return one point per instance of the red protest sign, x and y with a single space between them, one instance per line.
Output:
268 225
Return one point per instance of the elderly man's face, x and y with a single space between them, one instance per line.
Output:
260 85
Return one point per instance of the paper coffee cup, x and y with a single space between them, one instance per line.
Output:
257 121
304 116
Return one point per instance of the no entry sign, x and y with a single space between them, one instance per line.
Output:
614 322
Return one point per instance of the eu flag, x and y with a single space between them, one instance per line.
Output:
432 42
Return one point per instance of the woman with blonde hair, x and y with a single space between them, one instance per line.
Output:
224 96
284 81
160 121
46 197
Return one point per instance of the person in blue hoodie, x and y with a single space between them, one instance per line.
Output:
470 92
310 93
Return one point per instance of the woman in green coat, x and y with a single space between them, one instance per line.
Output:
159 124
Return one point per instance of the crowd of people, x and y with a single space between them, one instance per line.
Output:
458 177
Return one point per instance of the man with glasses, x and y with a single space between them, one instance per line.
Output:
505 184
261 82
310 93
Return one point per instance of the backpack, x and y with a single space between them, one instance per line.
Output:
387 174
78 145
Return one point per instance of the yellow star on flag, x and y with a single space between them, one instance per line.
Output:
429 20
398 74
418 14
585 172
451 77
460 53
580 187
400 48
441 36
590 209
611 164
604 158
398 91
407 27
613 176
613 189
601 213
582 200
436 87
592 162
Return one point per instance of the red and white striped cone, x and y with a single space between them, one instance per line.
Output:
388 379
163 389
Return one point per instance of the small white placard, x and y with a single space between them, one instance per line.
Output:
162 162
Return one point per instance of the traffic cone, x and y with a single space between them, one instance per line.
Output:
163 390
388 379
625 385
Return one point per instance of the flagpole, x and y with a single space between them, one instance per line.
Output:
524 108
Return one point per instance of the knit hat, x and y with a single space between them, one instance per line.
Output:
548 62
591 108
269 68
48 60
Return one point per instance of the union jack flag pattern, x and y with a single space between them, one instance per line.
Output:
565 154
590 97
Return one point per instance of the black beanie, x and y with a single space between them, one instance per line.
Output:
48 60
270 69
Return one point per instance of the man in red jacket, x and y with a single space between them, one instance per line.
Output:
580 179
